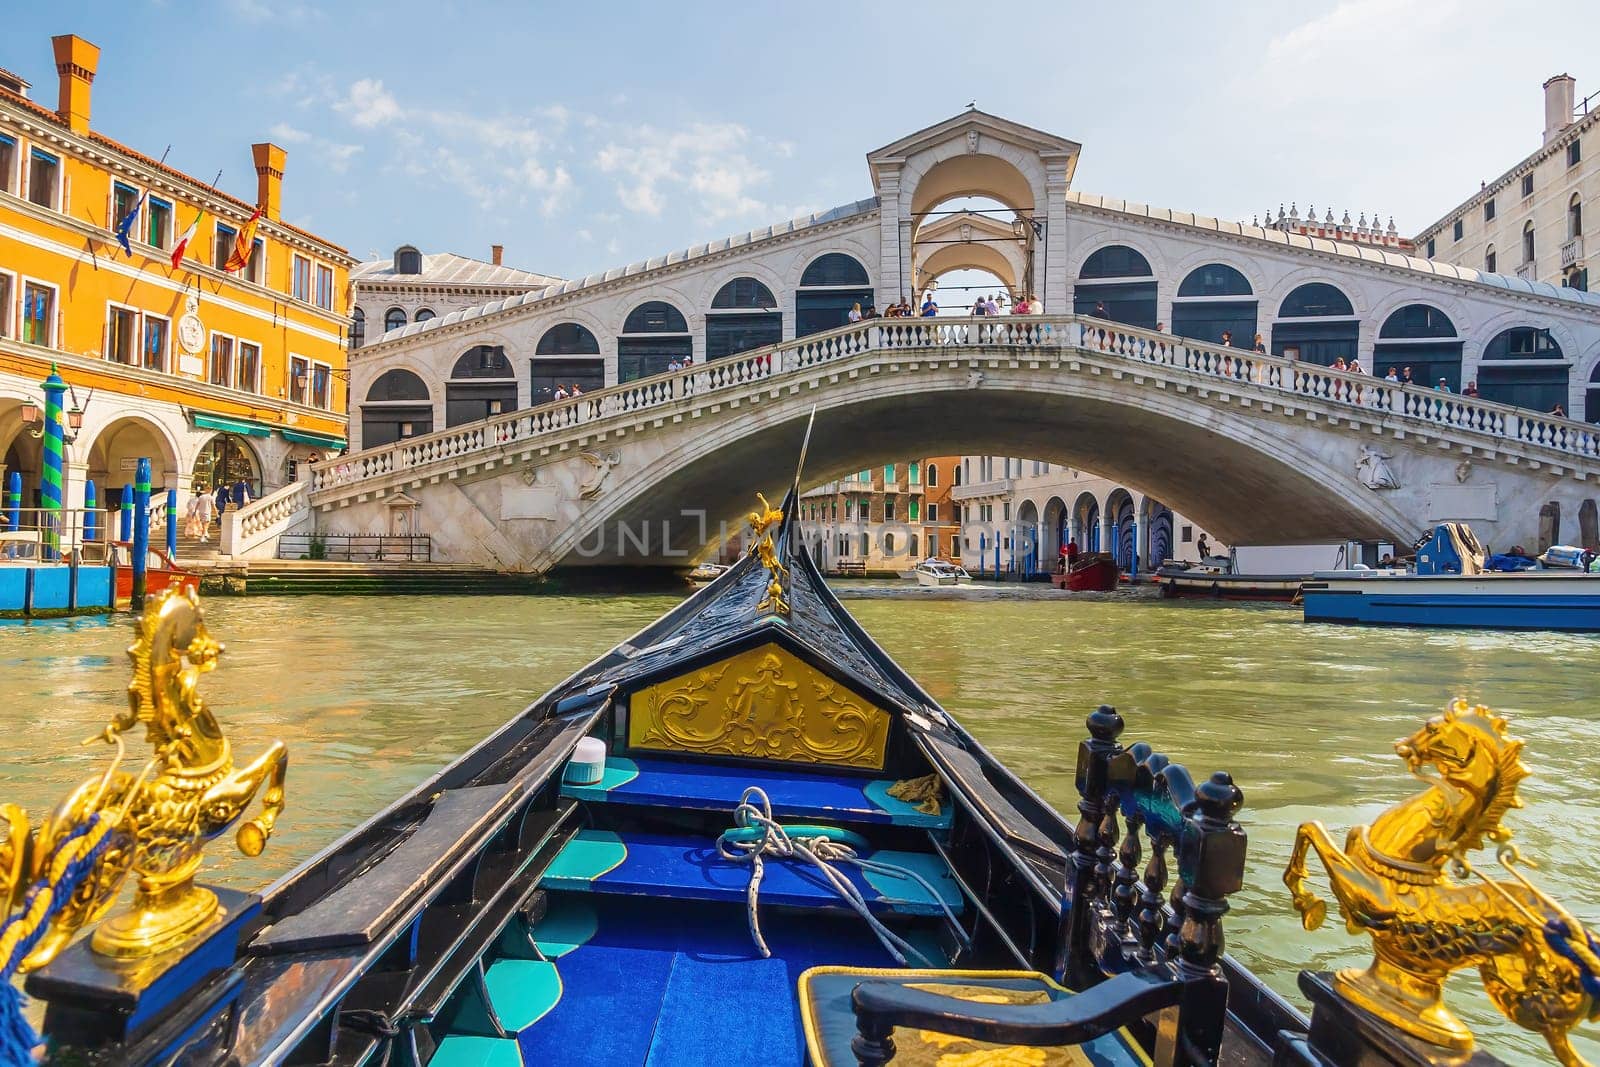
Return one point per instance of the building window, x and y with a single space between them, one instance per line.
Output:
158 223
864 476
423 315
888 544
44 178
221 359
888 475
407 260
254 270
1458 230
914 510
300 282
358 328
247 373
1488 259
393 319
123 198
1527 241
1488 210
1574 153
933 512
933 475
121 336
299 379
222 245
1429 253
38 313
1575 216
8 164
8 287
157 338
321 385
888 509
1188 534
1005 511
914 472
913 545
324 287
1527 185
866 544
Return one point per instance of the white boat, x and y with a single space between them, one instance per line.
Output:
938 572
707 572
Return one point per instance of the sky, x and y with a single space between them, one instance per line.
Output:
586 136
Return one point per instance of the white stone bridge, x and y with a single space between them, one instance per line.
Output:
1258 449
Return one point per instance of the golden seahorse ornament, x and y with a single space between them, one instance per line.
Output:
152 825
1407 881
762 523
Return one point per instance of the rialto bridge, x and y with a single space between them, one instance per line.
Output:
1257 448
455 431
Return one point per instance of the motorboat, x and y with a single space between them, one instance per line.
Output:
1454 584
939 572
707 572
742 835
1092 572
1214 578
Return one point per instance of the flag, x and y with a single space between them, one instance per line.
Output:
125 227
188 235
242 242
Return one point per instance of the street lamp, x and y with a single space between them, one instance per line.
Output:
33 417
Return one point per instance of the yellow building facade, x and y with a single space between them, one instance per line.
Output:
209 374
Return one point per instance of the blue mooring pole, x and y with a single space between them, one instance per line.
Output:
141 531
125 514
172 524
14 501
91 520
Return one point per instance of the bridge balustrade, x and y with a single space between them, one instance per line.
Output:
1044 336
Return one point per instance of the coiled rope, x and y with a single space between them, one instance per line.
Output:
755 809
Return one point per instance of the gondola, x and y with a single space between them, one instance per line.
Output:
743 836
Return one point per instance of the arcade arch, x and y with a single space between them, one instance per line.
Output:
397 405
111 457
744 315
482 384
1116 283
830 286
1525 366
567 354
1213 300
1316 323
1421 337
654 335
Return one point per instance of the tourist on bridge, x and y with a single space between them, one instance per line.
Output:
241 494
929 308
1471 389
1559 411
1443 386
870 313
1405 377
1035 305
1392 376
1021 307
202 509
980 306
561 392
221 499
855 312
1099 311
1258 345
990 307
1227 338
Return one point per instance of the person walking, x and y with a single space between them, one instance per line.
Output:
221 498
197 524
241 494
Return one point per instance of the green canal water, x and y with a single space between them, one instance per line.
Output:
373 694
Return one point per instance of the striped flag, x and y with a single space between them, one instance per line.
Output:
242 242
188 235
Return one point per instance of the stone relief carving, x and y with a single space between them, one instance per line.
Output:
974 379
1372 467
972 142
600 465
1463 470
529 474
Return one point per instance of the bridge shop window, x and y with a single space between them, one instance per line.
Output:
482 384
744 315
567 355
654 335
1116 283
1422 338
831 285
1213 300
1526 367
1316 323
398 405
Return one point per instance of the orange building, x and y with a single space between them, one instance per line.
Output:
211 375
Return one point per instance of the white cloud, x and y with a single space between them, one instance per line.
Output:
369 104
713 162
284 133
259 11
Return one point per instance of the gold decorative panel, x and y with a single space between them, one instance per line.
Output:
760 704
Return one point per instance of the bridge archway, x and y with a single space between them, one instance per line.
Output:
744 315
397 405
482 384
1086 519
1525 366
1316 323
654 335
1213 300
1117 283
1123 519
1421 337
830 286
567 354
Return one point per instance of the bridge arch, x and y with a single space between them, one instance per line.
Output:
654 335
1420 336
1525 366
1086 521
567 354
829 286
1591 398
1216 299
482 384
744 313
1016 179
398 404
1117 282
1317 322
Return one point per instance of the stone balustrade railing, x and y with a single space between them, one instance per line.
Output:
256 527
1041 337
974 490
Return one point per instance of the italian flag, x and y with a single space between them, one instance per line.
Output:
188 235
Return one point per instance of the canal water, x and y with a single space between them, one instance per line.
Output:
373 694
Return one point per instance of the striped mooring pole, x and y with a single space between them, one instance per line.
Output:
91 518
172 524
125 514
13 501
55 391
141 532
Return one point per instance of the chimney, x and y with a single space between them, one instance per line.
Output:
76 61
496 254
269 178
1560 94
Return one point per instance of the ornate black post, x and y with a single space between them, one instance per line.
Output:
1077 960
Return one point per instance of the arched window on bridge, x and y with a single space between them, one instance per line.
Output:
1317 324
566 355
393 319
744 315
482 384
1526 367
1422 338
1213 300
397 406
1591 400
358 328
654 334
831 284
1117 280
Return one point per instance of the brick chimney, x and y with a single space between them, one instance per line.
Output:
1560 94
76 62
496 254
269 178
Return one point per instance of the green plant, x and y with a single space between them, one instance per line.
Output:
319 550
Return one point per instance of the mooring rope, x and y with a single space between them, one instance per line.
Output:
755 809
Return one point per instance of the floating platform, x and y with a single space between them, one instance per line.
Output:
52 590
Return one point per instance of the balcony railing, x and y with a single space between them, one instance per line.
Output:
994 487
1525 272
1572 252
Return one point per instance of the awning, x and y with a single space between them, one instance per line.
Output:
308 437
238 426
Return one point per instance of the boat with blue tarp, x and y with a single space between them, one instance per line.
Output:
744 835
